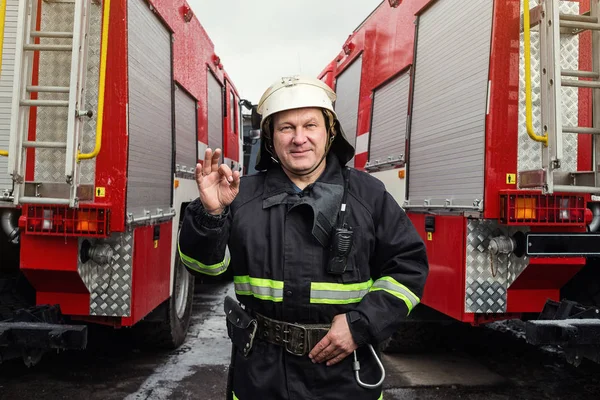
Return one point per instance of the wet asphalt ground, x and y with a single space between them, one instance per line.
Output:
466 363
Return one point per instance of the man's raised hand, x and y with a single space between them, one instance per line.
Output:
217 185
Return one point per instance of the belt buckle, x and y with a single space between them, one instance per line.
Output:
302 335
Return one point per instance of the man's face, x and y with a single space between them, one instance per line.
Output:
299 138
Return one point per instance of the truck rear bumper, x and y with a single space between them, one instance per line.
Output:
562 244
31 332
41 335
574 327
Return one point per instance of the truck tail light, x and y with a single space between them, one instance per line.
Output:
90 220
47 222
525 208
534 208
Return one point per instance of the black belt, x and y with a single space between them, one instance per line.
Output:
295 338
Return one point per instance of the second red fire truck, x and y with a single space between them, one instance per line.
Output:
482 117
105 109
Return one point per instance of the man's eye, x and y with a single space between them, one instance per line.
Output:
285 128
312 125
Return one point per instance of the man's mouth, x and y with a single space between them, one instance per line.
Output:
297 153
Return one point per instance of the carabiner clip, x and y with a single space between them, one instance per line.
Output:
356 368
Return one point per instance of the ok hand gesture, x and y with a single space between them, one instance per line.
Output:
217 185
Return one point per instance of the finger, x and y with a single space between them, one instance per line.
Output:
236 180
337 358
327 353
215 160
207 161
225 171
319 347
198 173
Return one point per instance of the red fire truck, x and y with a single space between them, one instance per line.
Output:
481 117
105 109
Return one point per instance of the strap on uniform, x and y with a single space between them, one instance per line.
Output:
342 236
343 213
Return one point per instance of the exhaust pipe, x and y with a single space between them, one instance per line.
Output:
9 227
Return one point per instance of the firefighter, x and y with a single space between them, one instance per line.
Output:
326 264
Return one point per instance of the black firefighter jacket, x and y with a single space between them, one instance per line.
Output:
278 241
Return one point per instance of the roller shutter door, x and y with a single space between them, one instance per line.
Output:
388 127
346 106
447 142
6 87
186 137
215 113
150 112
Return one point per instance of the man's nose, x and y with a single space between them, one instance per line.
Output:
299 136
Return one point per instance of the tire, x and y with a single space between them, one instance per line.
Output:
167 326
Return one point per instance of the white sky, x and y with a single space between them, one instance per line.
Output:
262 40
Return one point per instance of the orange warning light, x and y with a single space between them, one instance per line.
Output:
401 173
86 221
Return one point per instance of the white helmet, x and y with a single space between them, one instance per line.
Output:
294 92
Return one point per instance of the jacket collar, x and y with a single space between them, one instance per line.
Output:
323 197
277 182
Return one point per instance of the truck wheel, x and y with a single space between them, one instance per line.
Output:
167 326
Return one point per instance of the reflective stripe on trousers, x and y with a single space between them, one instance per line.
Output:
236 398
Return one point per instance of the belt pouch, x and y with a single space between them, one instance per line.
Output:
241 327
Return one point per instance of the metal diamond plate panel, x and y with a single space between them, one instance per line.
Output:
110 284
55 70
530 152
488 276
87 172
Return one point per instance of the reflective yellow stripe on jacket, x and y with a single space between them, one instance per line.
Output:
264 289
393 287
320 292
338 293
325 292
213 270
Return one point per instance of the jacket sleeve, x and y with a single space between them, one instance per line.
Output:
203 238
399 268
